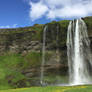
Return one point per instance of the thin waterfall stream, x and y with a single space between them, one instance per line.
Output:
43 55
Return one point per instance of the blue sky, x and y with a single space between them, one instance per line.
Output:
15 13
20 13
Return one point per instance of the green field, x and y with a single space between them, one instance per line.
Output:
52 89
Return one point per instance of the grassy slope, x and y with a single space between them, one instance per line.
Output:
12 74
52 89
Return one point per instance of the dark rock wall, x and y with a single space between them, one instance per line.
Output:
18 42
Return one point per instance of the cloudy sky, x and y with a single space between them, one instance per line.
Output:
19 13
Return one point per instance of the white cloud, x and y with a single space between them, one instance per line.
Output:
52 9
37 10
8 26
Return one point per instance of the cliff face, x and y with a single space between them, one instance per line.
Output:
20 40
27 43
89 27
26 39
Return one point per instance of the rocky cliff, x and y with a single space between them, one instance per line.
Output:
25 44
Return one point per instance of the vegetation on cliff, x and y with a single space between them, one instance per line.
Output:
21 53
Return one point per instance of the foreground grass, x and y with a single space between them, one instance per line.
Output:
52 89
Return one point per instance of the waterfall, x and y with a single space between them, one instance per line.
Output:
54 58
78 51
43 55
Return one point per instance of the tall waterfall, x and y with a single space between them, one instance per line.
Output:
43 55
78 51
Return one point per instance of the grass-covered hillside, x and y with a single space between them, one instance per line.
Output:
21 56
18 71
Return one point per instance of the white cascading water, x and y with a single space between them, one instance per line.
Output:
79 55
43 55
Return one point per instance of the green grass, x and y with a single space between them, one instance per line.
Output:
11 67
56 79
32 59
52 89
